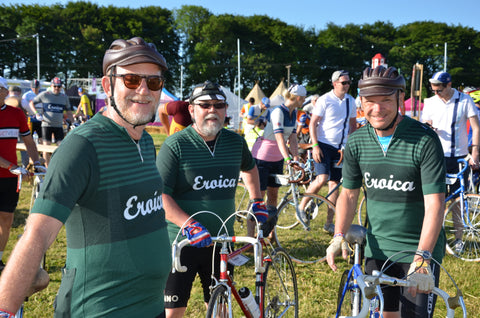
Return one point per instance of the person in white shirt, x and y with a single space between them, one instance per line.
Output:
333 118
447 112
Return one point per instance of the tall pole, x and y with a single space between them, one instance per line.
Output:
239 98
288 75
445 58
181 82
38 56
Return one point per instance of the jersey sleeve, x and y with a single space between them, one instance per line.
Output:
351 173
247 159
276 118
72 171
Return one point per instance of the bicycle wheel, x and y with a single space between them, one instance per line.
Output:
463 229
305 246
218 305
280 297
286 220
349 296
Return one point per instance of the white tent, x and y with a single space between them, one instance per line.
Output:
234 105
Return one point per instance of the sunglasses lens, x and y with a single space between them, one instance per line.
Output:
216 106
132 81
154 83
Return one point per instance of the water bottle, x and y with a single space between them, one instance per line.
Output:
249 302
35 137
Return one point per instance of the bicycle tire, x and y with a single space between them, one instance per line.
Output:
305 246
286 222
218 305
280 297
347 306
469 232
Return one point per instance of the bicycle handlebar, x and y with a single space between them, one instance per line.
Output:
465 167
257 250
370 287
296 167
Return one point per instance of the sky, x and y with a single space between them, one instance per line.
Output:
317 14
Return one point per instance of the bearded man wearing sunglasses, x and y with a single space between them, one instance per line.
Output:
200 166
102 183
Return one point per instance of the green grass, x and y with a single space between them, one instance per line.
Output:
317 284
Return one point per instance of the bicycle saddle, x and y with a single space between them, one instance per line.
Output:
356 234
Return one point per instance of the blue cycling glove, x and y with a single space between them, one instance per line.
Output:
197 234
260 211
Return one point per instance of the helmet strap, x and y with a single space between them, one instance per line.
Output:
114 105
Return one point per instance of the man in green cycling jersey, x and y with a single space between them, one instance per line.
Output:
400 161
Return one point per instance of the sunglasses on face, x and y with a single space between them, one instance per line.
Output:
215 105
437 91
346 83
133 81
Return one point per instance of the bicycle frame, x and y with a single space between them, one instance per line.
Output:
460 191
225 279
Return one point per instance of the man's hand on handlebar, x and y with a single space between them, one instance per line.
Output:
337 244
197 234
421 275
260 210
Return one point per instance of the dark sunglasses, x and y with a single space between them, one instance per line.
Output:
215 105
133 81
437 91
346 83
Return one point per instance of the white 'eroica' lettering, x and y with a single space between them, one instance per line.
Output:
142 207
390 184
200 183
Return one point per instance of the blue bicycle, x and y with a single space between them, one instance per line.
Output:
462 219
360 295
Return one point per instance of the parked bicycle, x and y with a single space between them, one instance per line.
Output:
360 295
462 219
302 236
276 293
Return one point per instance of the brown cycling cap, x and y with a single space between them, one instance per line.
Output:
133 51
380 81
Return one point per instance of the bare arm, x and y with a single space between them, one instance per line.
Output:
353 125
32 107
475 138
31 148
293 142
316 151
23 264
252 182
432 221
163 116
344 214
173 212
282 145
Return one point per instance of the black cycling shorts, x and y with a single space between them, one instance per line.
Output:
8 194
179 285
398 298
56 131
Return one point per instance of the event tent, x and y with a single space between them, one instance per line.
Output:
256 93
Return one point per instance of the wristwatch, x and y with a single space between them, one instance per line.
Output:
425 254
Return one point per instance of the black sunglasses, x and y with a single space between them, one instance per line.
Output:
346 83
215 105
133 81
437 91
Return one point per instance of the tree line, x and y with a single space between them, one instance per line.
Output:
199 45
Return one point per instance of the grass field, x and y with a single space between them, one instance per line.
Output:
317 284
